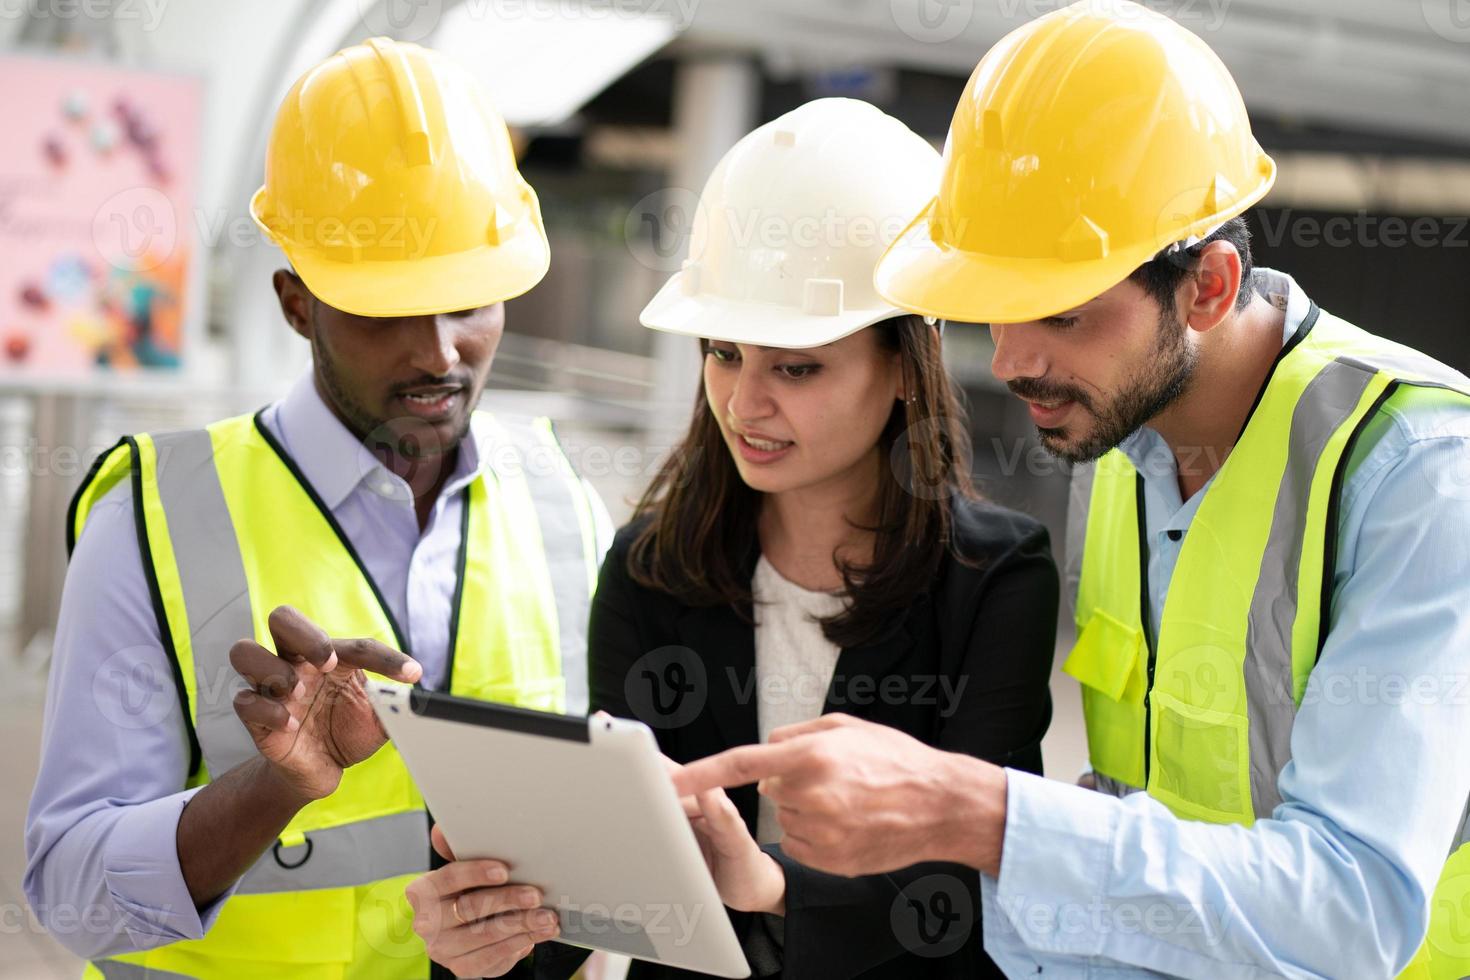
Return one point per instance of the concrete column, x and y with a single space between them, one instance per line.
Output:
716 101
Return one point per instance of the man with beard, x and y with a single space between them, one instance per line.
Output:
203 825
1270 525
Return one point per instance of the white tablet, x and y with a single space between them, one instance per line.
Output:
582 808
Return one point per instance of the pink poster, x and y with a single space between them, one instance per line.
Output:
97 193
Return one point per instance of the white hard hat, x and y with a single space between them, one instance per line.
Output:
791 224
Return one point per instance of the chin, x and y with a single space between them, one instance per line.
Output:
762 482
766 479
1056 442
434 437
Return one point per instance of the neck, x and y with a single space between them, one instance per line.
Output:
425 475
805 532
1202 426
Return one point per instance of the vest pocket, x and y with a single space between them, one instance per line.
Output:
1105 655
1107 662
1200 761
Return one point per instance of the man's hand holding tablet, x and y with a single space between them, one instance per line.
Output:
473 919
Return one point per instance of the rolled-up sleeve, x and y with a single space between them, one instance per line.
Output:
1338 882
102 867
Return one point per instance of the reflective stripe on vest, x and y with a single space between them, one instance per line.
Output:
230 530
526 450
1202 718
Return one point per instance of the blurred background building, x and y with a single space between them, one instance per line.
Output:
135 291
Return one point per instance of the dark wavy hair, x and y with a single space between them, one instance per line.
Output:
699 518
1161 276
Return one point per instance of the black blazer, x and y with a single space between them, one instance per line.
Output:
966 670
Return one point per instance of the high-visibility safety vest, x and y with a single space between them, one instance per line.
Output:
229 529
1201 716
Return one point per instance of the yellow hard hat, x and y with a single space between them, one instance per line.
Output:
391 185
1086 142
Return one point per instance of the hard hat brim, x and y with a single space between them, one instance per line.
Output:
923 276
426 286
423 286
674 310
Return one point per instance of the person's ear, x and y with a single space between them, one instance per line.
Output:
295 300
1208 296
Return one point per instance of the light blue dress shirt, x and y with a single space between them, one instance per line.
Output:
102 868
1337 882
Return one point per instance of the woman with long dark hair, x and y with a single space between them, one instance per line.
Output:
815 544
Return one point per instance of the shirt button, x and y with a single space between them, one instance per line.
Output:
1174 534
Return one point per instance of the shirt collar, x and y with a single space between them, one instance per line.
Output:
335 462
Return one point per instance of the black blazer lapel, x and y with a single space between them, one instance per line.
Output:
725 647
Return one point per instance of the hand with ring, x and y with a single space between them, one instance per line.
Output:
473 919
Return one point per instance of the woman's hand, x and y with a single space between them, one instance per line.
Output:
472 920
748 879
